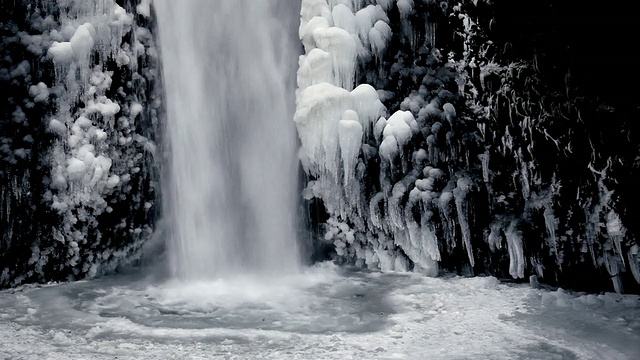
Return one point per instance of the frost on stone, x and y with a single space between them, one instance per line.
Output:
39 92
95 66
452 163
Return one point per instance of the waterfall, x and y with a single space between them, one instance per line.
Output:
230 190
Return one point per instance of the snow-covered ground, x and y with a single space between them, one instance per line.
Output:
324 313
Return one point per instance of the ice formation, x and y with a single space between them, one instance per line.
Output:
343 131
93 136
429 140
451 164
94 143
334 119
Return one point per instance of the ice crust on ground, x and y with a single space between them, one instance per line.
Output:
324 313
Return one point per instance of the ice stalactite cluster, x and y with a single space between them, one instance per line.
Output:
93 130
337 123
96 141
387 217
465 165
547 164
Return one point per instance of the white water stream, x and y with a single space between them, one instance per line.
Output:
231 191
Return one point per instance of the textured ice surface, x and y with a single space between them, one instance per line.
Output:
325 313
82 170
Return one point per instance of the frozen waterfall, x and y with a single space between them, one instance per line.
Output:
232 180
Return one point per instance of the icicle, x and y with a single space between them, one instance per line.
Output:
397 126
417 252
312 8
368 106
350 140
484 158
616 232
344 18
611 263
524 176
339 43
319 110
396 213
516 253
379 128
464 186
405 7
307 29
495 236
314 68
374 210
379 37
634 262
365 20
551 223
431 33
429 239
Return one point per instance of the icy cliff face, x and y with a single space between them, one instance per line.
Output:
461 135
78 168
429 143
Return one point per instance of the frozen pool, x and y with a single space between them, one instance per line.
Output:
324 313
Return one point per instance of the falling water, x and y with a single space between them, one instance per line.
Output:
227 66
